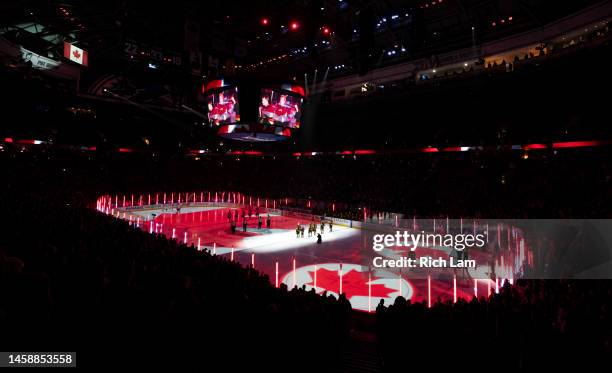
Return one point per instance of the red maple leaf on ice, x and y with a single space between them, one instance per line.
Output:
76 54
353 283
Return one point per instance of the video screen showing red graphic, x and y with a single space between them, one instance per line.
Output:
280 108
222 107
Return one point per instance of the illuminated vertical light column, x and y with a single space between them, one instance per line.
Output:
250 201
149 200
201 196
429 291
266 203
164 198
232 255
434 225
286 202
414 223
496 285
447 226
274 204
294 282
216 197
116 201
172 198
276 272
365 215
185 238
340 275
476 288
370 292
315 278
173 233
199 247
499 235
333 207
179 198
517 257
140 202
454 288
460 225
488 288
138 222
508 230
400 283
208 196
157 198
194 197
132 203
253 260
474 227
257 201
396 221
215 248
123 200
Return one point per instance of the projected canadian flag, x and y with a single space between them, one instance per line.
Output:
362 288
354 283
75 54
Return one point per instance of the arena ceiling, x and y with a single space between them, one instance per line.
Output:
252 35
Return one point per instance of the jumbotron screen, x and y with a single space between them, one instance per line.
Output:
222 106
279 107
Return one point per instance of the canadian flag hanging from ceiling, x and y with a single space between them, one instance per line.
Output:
75 54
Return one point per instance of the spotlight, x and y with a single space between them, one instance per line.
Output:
294 25
265 21
326 30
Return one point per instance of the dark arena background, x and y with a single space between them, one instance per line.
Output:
306 185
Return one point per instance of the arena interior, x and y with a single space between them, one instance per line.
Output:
306 185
